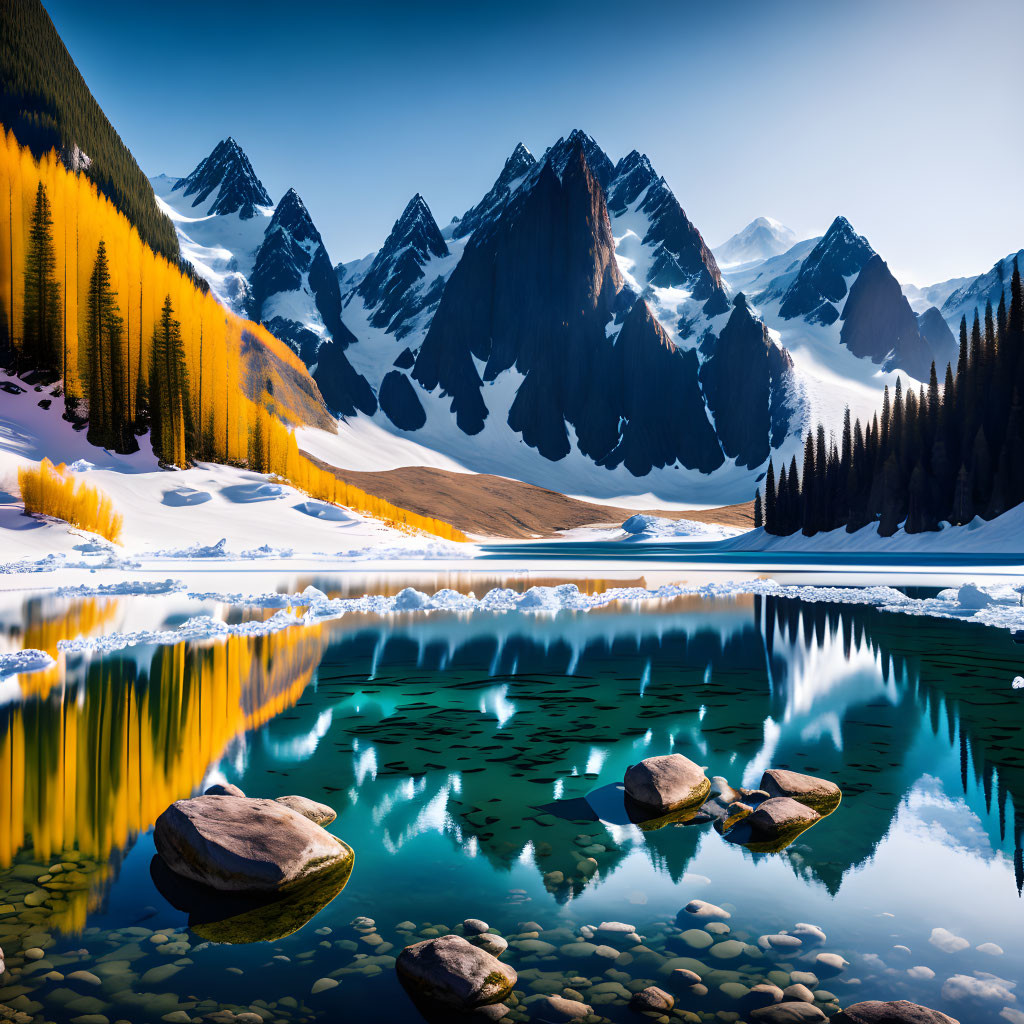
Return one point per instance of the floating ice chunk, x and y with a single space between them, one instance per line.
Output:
410 600
81 466
982 987
126 589
30 660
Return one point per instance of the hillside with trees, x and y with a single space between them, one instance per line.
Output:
46 103
943 453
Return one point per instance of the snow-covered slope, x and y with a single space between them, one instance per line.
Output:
165 511
761 239
976 292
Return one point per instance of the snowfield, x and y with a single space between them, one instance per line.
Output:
207 512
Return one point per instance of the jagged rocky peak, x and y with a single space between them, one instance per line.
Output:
388 287
879 324
745 382
633 173
535 291
292 216
517 168
562 152
821 281
227 172
681 257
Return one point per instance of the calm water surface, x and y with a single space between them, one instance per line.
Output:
472 761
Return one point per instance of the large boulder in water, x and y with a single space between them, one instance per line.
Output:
897 1012
822 795
238 844
667 783
773 824
453 972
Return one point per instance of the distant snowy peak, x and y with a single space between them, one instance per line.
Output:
517 168
633 174
979 291
759 240
227 176
822 279
387 285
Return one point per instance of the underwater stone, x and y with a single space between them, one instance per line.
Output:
898 1012
454 972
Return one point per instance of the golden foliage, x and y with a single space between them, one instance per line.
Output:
225 355
82 778
51 490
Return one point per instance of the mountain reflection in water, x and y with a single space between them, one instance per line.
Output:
496 732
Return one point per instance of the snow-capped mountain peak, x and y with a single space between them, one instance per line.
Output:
292 216
559 155
390 285
761 239
822 280
227 176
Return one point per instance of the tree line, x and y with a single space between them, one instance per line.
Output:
942 453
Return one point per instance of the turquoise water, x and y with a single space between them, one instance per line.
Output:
473 761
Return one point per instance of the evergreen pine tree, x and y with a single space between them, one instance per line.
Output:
42 322
104 359
807 510
758 513
169 403
770 521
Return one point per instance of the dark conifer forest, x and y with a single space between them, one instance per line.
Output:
946 452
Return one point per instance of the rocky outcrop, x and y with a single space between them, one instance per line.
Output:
746 382
775 823
391 287
821 280
667 783
239 844
563 153
223 789
899 1011
820 794
399 401
878 323
452 972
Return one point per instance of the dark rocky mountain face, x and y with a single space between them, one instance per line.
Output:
878 323
293 259
228 169
821 280
745 382
654 386
399 401
388 285
935 331
535 291
517 167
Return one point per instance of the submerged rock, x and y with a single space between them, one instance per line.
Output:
319 814
652 998
899 1011
555 1009
822 795
788 1013
243 844
667 783
452 971
223 789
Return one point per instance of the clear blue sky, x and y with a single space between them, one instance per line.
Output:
904 115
